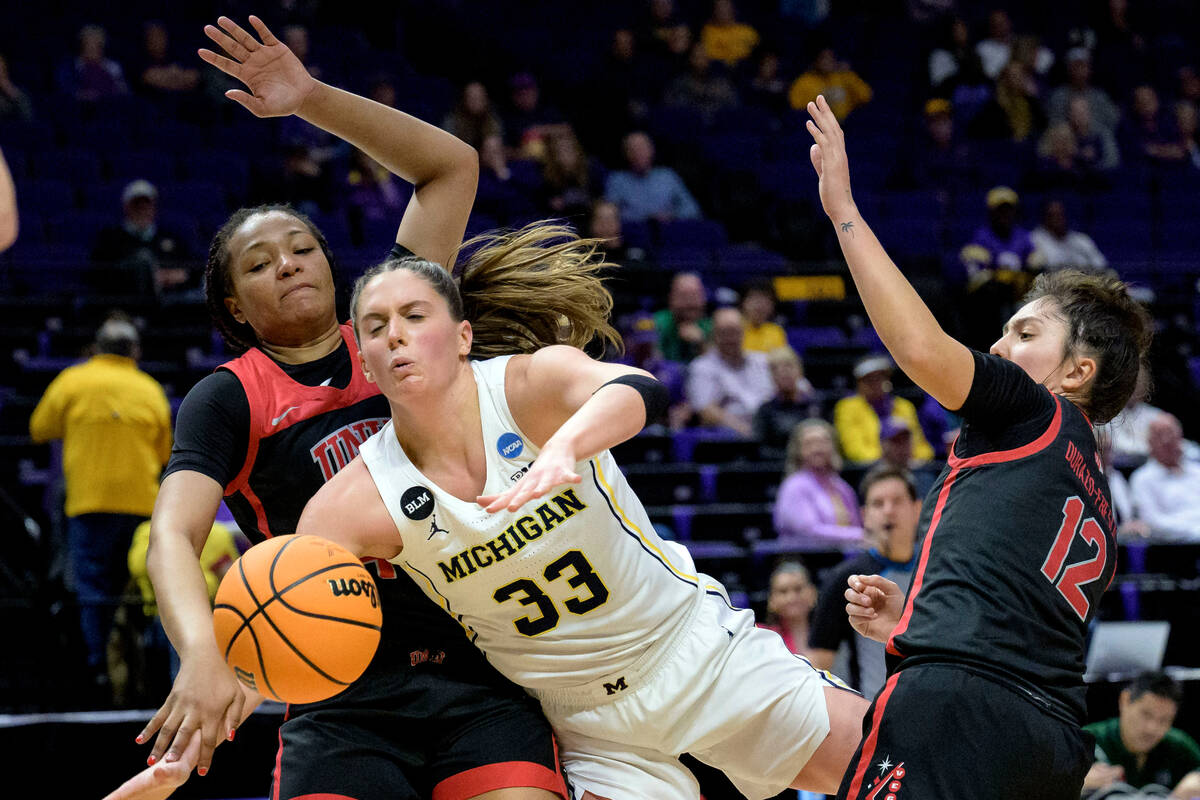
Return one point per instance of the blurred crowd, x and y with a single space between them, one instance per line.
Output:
1021 117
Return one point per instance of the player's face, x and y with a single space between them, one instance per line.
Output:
409 342
280 279
1035 339
890 516
1145 721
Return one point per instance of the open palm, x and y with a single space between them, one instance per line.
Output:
277 81
828 156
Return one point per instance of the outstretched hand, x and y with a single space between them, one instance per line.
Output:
205 698
828 156
277 81
554 467
874 605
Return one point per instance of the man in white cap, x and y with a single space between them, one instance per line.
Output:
137 257
857 418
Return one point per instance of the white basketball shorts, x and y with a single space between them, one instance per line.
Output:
726 691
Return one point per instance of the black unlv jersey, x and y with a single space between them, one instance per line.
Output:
300 436
1018 544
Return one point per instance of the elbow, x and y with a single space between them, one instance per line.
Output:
466 161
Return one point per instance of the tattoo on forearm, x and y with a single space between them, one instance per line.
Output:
848 227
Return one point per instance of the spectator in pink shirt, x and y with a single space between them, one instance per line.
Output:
815 506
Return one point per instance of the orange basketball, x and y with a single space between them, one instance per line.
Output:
297 618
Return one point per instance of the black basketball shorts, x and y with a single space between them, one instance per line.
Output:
429 736
940 732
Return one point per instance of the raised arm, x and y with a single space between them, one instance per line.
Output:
443 169
935 361
565 401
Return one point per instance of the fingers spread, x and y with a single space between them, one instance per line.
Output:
226 43
232 716
179 743
165 735
226 65
268 38
153 725
238 32
248 101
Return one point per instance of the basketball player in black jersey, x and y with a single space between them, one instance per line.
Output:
430 717
985 695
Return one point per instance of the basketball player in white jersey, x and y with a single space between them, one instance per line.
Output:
495 490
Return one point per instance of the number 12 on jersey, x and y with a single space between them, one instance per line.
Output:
528 593
1081 572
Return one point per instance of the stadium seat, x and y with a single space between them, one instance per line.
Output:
156 166
801 338
692 233
47 196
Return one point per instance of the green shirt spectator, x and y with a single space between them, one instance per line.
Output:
1139 748
683 328
675 347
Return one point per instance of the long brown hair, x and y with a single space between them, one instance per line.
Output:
521 290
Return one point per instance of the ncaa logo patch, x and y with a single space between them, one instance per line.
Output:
509 445
417 502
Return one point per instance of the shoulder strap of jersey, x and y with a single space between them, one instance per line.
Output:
250 369
491 374
359 386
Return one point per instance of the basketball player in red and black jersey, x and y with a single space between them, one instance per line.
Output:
429 717
985 695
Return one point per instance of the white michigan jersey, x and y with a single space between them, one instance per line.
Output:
574 587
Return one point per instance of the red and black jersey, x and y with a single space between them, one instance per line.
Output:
299 437
1018 544
272 434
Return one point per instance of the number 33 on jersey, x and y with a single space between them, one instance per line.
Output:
562 592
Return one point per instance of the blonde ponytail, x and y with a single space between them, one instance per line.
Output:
540 285
521 290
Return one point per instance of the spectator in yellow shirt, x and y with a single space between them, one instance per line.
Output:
724 38
219 553
758 308
857 418
843 89
115 425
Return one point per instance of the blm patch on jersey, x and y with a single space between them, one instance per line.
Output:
417 502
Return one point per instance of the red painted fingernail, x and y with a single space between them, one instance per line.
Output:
138 738
150 761
202 771
232 731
